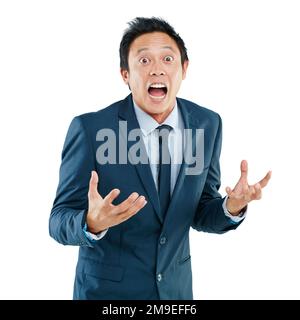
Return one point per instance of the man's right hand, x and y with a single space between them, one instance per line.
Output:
102 214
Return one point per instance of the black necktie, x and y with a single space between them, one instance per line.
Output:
164 173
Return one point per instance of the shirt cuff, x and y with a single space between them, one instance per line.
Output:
94 237
235 219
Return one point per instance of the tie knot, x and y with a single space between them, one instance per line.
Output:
164 127
163 133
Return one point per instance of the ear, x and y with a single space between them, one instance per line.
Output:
125 75
184 68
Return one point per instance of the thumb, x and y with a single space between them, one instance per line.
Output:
93 185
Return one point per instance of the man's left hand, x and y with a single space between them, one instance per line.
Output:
243 193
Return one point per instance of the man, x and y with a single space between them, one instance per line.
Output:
132 218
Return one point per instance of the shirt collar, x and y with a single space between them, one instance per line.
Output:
148 124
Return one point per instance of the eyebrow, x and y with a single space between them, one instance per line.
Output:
146 48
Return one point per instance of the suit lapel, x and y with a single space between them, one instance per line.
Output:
126 112
189 123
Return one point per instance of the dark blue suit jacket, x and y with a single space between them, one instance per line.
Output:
147 256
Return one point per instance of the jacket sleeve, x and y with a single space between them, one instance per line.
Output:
210 215
70 206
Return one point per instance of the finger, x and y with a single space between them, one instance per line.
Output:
231 193
228 191
136 207
245 188
248 193
264 181
93 185
258 193
126 204
244 170
111 196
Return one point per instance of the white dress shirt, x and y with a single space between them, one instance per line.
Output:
151 141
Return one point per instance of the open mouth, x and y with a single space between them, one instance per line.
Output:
157 90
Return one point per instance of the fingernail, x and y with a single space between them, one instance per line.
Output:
135 194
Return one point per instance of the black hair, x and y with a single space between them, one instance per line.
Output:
140 26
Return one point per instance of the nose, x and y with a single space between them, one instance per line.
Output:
157 70
157 73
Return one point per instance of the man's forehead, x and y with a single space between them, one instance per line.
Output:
142 49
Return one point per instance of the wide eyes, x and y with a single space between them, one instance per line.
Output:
146 60
168 58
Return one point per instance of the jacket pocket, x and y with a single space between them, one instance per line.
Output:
185 259
102 271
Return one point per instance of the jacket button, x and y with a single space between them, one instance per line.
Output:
159 277
163 240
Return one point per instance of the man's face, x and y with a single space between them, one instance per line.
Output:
155 73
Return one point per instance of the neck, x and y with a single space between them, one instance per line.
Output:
158 117
161 117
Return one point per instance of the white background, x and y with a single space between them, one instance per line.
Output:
60 58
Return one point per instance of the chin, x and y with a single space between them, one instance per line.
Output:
157 107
